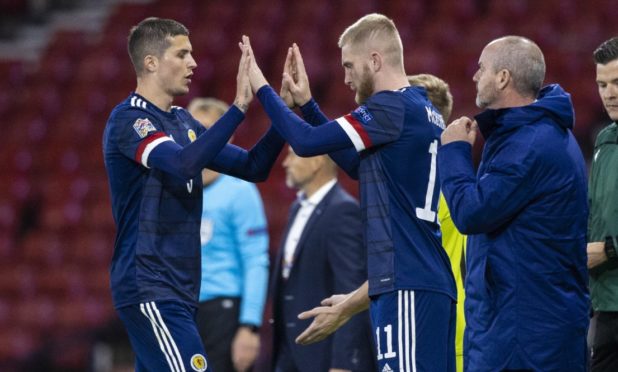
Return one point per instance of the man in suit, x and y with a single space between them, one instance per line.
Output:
321 253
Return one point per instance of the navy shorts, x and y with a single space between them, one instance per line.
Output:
164 337
414 331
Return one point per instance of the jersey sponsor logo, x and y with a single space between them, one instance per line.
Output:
198 363
143 127
434 117
387 368
363 114
191 135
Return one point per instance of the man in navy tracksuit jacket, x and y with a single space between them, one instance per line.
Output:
525 212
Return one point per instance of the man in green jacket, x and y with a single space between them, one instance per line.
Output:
603 220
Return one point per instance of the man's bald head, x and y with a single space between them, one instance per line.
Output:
524 61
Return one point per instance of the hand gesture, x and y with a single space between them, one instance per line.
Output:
256 77
295 77
285 93
327 319
462 129
243 85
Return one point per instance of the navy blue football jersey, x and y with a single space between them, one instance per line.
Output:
157 246
397 135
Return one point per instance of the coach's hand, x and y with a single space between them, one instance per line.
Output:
462 129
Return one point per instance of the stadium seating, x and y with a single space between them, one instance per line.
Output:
56 228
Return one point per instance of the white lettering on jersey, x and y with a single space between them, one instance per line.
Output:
190 186
434 117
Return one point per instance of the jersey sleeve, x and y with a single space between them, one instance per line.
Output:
347 158
377 122
137 134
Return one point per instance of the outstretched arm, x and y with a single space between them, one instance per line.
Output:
304 139
253 165
347 159
160 151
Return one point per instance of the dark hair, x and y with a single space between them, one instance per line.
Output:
150 37
607 51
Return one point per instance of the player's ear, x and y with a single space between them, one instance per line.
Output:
151 63
376 61
503 78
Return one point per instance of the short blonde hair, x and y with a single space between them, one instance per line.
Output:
437 91
374 27
208 104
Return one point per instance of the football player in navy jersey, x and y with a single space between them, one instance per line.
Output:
390 144
154 153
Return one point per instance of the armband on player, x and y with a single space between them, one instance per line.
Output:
610 249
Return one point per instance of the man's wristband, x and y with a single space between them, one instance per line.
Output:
610 250
252 327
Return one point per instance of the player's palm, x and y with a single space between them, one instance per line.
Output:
243 84
285 93
256 77
300 89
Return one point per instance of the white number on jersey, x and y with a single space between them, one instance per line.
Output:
426 213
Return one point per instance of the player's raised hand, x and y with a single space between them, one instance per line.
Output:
285 93
256 77
296 77
243 85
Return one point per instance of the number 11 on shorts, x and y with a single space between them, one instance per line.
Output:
388 332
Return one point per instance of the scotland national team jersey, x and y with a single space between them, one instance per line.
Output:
397 135
157 246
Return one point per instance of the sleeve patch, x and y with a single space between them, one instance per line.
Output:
143 127
363 114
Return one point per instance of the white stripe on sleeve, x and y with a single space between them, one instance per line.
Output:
151 146
356 139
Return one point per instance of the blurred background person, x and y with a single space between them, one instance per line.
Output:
603 220
321 253
452 240
234 238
